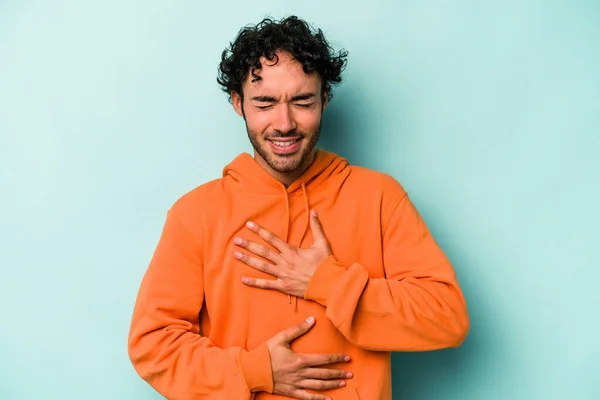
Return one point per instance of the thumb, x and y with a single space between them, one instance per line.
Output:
295 332
317 228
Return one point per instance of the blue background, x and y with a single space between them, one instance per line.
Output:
487 112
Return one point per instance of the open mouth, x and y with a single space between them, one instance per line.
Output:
287 145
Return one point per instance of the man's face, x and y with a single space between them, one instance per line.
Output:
283 114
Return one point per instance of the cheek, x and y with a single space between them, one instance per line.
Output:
257 122
308 121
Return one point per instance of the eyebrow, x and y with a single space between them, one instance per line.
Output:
271 99
303 96
264 99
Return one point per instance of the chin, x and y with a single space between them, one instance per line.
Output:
285 163
280 161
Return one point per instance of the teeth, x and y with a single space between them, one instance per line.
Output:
285 144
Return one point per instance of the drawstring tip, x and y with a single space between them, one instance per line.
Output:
293 301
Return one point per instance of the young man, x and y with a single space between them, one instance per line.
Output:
295 274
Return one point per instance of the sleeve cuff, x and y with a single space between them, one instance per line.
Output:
324 281
256 368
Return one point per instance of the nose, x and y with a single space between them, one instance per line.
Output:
284 120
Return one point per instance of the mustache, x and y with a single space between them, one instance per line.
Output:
284 135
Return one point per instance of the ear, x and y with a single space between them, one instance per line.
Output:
325 100
236 101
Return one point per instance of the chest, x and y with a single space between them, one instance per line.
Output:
352 227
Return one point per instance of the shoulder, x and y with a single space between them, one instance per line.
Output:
380 188
377 182
196 202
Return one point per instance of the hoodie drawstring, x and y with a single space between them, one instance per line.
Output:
307 209
293 299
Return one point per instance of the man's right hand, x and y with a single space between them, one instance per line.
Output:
295 372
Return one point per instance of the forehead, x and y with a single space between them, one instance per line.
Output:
281 77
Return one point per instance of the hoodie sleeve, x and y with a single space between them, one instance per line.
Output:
165 343
417 306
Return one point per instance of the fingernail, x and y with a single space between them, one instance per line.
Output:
314 213
349 375
245 280
342 384
250 224
237 254
310 320
346 358
237 240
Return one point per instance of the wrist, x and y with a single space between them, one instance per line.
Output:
256 368
324 280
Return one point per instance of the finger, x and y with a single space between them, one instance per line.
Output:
293 392
270 284
317 384
259 250
268 236
311 360
317 228
303 395
256 263
295 332
326 374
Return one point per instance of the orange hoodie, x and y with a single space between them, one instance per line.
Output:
198 332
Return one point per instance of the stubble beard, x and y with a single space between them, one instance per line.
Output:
284 163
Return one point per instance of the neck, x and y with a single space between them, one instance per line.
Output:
287 178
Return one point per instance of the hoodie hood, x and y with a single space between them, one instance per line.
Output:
246 175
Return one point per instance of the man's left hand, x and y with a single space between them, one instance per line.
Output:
293 267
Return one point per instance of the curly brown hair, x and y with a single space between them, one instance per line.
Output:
291 35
